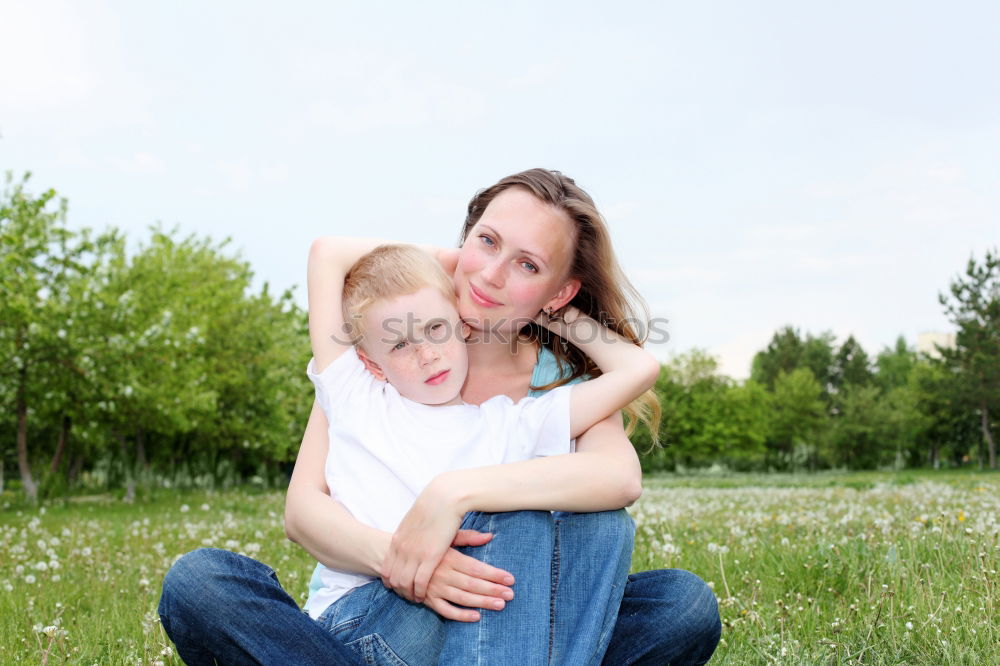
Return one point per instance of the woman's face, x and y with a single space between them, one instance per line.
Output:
514 262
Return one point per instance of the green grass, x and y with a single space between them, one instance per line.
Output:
871 568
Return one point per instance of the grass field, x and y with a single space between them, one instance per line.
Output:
833 568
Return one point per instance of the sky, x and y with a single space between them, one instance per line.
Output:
830 166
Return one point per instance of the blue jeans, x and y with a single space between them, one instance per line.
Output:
573 604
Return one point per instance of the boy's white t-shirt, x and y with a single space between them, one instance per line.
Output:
384 448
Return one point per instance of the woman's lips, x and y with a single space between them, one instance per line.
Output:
481 298
438 378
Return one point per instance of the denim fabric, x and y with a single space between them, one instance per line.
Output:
573 604
218 605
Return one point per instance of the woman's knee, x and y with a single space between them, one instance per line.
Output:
695 610
607 528
203 579
528 523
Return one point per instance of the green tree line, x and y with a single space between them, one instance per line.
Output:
120 366
162 364
812 404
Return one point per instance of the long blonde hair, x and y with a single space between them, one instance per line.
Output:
605 292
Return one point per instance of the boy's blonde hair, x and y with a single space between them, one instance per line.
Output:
389 271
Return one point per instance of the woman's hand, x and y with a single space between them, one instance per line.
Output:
460 580
421 541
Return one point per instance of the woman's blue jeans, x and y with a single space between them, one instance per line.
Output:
574 603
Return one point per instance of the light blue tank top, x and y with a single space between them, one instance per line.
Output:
547 370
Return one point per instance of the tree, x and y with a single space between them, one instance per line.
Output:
851 365
788 351
973 305
797 418
895 365
38 257
706 416
859 437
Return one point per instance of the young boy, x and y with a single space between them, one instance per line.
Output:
389 379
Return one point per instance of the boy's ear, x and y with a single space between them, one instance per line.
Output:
371 365
466 331
564 295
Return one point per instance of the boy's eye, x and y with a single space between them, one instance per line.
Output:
438 326
528 266
399 345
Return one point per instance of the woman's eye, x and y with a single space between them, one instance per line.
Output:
399 345
528 266
437 327
486 240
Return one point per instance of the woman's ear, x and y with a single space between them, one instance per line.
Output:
564 295
466 331
371 366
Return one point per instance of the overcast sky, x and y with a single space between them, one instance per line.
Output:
826 165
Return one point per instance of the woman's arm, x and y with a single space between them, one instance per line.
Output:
602 475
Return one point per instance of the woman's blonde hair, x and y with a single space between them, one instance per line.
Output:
605 293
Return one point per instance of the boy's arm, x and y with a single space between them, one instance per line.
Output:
330 258
627 370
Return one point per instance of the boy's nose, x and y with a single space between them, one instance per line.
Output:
427 353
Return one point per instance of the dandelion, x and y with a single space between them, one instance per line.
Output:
909 626
86 552
185 508
205 507
29 579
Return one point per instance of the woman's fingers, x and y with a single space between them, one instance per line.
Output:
421 579
472 567
471 538
450 612
479 587
463 598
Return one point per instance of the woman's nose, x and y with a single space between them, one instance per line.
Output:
493 273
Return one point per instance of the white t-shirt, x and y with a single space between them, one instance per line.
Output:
384 448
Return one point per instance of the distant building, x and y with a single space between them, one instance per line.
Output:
927 343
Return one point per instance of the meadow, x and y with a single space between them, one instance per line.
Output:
872 568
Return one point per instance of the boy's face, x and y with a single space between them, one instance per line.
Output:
417 343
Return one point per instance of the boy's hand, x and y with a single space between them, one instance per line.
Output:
549 318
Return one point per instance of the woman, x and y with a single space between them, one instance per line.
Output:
532 241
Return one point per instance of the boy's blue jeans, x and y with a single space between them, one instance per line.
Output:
574 603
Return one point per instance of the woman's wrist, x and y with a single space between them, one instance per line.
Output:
447 492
